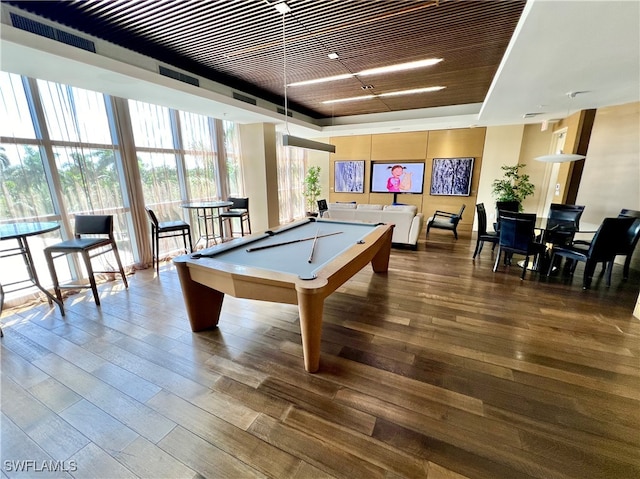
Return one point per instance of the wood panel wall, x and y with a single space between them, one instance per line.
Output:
414 146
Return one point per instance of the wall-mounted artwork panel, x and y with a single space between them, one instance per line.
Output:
451 176
349 176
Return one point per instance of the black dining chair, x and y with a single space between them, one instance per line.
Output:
634 237
517 237
502 206
445 221
239 210
612 239
483 234
166 229
632 241
93 237
563 221
322 207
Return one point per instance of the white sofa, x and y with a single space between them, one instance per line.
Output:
406 219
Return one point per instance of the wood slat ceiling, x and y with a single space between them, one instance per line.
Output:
240 43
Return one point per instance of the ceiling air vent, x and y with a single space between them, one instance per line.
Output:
530 115
56 34
281 111
179 76
244 98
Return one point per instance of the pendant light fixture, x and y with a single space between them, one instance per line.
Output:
288 139
560 157
563 157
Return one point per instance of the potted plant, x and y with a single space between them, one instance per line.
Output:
312 189
514 186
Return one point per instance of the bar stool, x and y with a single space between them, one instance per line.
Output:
93 237
166 229
240 210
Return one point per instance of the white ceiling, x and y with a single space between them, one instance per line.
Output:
567 46
558 47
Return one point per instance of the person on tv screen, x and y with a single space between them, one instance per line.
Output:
399 180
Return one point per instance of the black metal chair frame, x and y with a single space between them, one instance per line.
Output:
240 210
612 239
483 234
93 237
517 237
445 221
166 229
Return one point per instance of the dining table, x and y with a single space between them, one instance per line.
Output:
210 227
20 232
544 226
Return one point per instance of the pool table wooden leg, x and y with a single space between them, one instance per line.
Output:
310 307
203 303
380 261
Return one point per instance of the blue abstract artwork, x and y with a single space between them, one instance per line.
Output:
349 176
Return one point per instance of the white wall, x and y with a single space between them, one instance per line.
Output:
501 147
611 176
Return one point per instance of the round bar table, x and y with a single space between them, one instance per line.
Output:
207 214
20 232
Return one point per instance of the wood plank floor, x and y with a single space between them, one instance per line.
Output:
438 369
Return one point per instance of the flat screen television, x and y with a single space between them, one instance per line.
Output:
398 177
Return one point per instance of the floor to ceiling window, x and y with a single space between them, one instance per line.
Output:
24 187
157 154
178 159
61 154
25 191
291 171
233 157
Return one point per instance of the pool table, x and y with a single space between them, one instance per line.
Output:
301 264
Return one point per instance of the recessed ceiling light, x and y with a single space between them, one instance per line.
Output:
353 98
400 66
333 55
393 93
322 80
373 71
282 7
413 91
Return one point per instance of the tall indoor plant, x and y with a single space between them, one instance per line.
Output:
513 186
312 189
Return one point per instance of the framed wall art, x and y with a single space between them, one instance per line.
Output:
451 176
349 176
